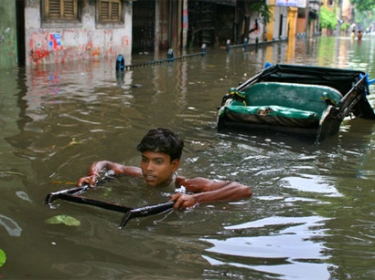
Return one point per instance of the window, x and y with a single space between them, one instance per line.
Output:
61 9
109 11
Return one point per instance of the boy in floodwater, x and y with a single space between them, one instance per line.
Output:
161 152
359 36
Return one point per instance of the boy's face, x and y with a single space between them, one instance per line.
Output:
157 168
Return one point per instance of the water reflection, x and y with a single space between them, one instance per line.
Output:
310 183
10 225
287 247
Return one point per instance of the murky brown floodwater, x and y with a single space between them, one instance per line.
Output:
312 215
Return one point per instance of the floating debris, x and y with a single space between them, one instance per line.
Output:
63 219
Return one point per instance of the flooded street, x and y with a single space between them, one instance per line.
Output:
311 216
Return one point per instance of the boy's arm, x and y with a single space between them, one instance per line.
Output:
105 165
205 190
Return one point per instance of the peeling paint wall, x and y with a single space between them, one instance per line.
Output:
83 41
8 41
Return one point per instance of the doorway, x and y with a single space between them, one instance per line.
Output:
143 26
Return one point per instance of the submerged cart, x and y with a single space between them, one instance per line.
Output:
75 195
302 100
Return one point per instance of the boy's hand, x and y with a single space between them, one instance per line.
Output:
183 200
91 180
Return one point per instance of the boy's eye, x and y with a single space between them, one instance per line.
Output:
158 161
144 159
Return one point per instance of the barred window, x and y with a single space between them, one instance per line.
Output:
109 11
61 9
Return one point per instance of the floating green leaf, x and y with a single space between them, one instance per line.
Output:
3 258
63 219
107 192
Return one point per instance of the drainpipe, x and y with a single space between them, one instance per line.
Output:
185 23
158 37
307 16
170 38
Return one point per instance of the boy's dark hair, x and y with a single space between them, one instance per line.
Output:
162 140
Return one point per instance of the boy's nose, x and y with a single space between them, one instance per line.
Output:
149 166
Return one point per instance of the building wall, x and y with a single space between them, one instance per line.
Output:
162 25
8 34
292 21
302 18
83 41
257 34
301 26
270 26
330 5
347 11
282 27
313 27
272 31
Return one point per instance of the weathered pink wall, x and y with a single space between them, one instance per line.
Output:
60 43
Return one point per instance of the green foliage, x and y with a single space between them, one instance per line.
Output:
345 26
63 219
2 258
363 5
327 18
263 10
364 11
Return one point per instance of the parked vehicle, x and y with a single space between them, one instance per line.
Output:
303 100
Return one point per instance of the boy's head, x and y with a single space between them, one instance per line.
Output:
162 140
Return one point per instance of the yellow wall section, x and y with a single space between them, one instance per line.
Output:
270 26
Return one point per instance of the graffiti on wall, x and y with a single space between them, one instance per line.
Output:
54 41
38 48
70 45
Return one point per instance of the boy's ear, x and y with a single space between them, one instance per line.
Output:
175 164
